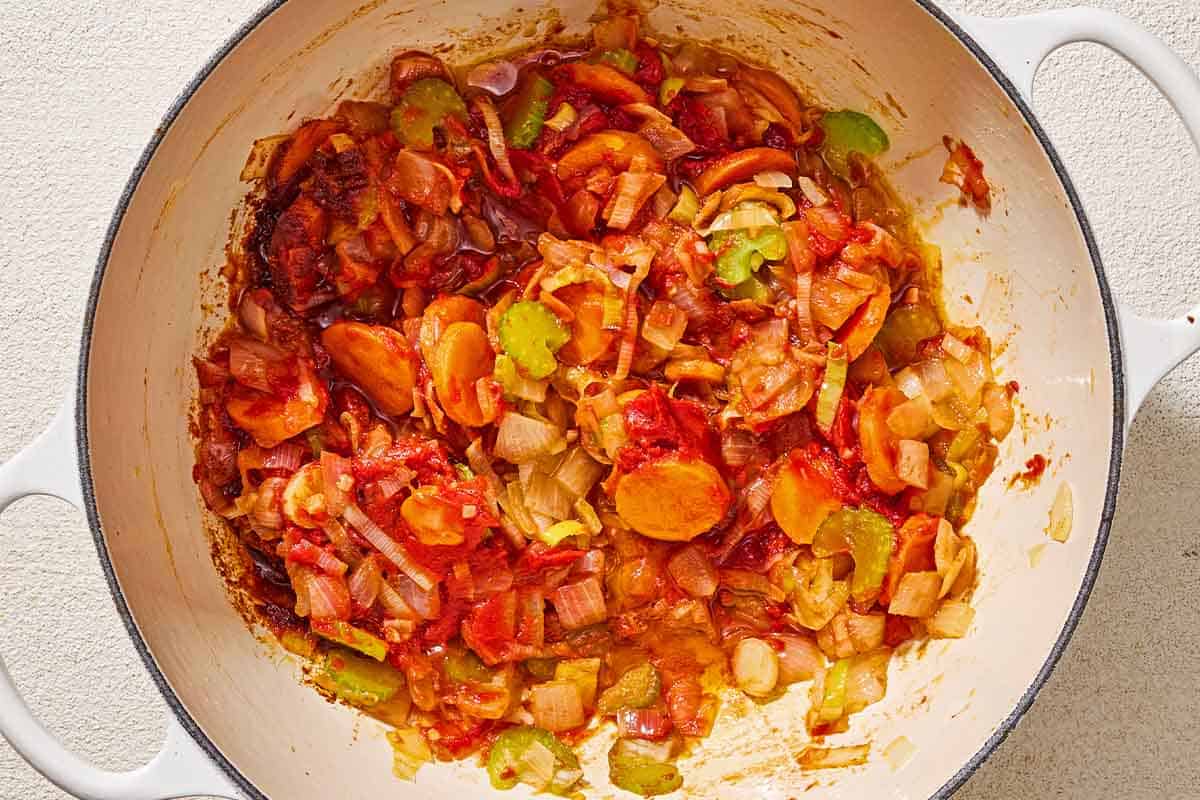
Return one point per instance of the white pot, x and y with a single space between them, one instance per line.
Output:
247 728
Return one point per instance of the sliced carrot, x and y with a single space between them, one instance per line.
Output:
378 359
672 499
741 166
879 443
441 314
614 148
803 497
463 356
913 552
589 341
271 419
606 83
860 330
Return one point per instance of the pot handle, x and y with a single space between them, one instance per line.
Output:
1152 347
181 769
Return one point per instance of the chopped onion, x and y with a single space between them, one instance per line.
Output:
535 766
427 603
253 316
833 757
738 447
912 463
773 179
695 574
632 191
670 142
866 631
812 192
917 595
286 457
951 621
799 658
758 493
547 496
1062 514
935 383
755 667
556 706
744 215
866 680
328 596
580 604
497 77
410 752
394 603
957 347
912 419
899 752
590 563
521 439
578 472
364 582
909 382
267 510
389 547
664 325
252 362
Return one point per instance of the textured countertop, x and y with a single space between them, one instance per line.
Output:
83 83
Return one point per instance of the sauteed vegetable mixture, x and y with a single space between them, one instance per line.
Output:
584 385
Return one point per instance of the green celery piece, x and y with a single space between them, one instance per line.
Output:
512 743
869 538
532 334
833 704
359 681
668 90
686 207
752 288
527 114
849 132
642 775
423 107
832 386
621 59
639 687
462 666
736 251
355 638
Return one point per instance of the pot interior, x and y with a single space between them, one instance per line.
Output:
1024 272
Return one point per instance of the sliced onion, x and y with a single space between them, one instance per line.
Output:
328 596
252 362
580 604
590 563
951 621
670 142
738 447
364 582
695 574
578 472
389 547
664 325
340 539
495 132
799 658
812 192
497 77
286 457
253 316
917 595
548 497
866 681
427 603
267 508
773 179
395 604
632 191
522 440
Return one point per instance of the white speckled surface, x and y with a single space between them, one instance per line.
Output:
83 84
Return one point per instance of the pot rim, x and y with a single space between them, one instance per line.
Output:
1115 358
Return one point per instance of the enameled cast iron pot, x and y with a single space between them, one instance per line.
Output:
245 727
